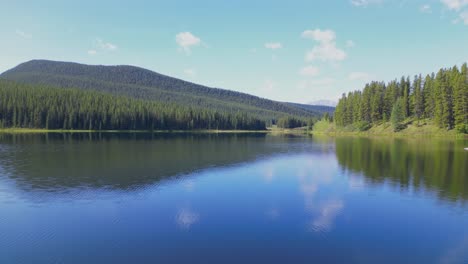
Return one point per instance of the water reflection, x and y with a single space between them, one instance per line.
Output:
186 217
273 213
73 162
327 212
231 199
56 162
456 254
440 166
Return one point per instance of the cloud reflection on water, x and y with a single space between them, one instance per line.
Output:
186 217
322 210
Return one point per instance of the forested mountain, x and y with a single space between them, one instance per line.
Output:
144 84
440 97
28 106
320 108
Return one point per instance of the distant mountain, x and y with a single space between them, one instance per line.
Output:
320 108
324 103
141 83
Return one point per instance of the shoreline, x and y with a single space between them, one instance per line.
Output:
200 131
273 131
393 135
43 131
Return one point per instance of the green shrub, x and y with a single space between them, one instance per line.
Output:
362 126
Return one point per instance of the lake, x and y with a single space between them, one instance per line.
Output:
231 198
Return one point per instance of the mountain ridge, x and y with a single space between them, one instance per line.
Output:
141 83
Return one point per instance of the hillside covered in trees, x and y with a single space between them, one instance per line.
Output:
27 106
140 83
441 98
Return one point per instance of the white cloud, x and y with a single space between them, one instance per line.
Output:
326 50
105 45
425 9
101 45
190 72
455 4
364 3
320 35
464 17
350 44
363 76
273 45
23 34
310 71
186 40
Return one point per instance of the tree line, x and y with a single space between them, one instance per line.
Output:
143 84
441 97
27 106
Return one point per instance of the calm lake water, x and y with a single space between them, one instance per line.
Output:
187 198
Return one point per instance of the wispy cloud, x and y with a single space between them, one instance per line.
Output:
309 71
105 45
326 49
23 34
273 45
350 44
364 3
455 4
320 35
425 9
190 72
187 40
100 45
464 17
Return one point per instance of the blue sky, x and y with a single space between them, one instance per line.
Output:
298 51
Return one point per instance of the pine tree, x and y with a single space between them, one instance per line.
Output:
357 97
339 111
443 111
365 105
460 103
349 108
377 91
418 98
405 92
389 100
398 114
429 96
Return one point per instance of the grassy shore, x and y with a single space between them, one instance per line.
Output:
423 128
413 129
